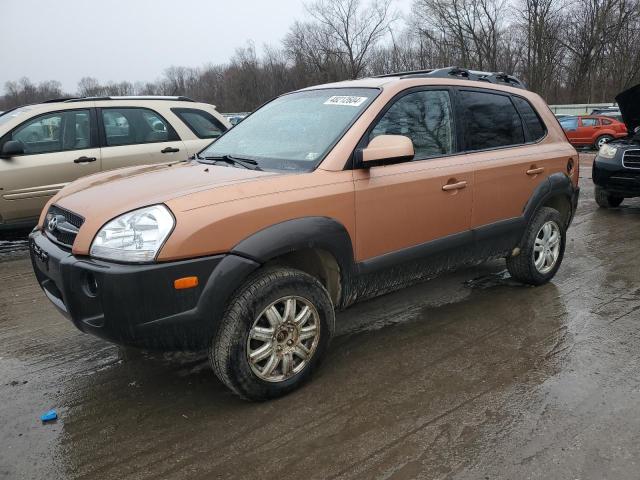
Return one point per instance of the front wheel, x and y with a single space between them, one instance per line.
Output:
542 249
275 331
605 200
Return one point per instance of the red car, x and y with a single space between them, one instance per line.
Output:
592 130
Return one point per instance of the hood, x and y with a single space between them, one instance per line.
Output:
629 103
114 192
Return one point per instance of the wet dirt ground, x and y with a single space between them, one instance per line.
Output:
470 376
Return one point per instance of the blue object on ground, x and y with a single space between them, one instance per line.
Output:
49 416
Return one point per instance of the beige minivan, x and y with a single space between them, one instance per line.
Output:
44 147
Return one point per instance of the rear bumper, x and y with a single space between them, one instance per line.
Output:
138 304
614 178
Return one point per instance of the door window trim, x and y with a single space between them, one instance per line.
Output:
353 164
103 132
93 131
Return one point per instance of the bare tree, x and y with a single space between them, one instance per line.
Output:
347 30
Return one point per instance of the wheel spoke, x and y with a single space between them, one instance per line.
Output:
287 364
261 353
307 332
273 316
301 351
271 364
303 316
289 310
540 261
263 334
538 248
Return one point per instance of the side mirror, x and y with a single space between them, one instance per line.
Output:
12 148
388 148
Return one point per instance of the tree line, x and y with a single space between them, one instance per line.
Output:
568 51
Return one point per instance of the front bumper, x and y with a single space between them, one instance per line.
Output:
137 304
610 175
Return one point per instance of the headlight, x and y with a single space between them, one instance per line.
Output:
607 151
135 236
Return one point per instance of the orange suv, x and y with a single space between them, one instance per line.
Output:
321 198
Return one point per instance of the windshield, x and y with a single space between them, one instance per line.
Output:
11 114
295 131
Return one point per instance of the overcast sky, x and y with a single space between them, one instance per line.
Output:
133 40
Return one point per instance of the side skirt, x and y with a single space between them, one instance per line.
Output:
395 270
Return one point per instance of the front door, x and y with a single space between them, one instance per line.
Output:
412 203
59 147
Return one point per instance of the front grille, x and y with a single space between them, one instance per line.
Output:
631 159
62 225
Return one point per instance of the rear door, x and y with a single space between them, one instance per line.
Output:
404 205
137 136
502 135
59 147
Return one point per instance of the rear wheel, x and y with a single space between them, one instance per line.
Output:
542 249
601 140
606 200
275 331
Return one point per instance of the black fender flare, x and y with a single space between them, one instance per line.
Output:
323 233
556 184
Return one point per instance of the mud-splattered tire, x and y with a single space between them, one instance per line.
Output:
605 200
539 240
283 313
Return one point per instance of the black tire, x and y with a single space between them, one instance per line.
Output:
605 200
228 350
601 140
522 267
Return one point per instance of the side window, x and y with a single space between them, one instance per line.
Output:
530 118
589 122
490 120
425 117
200 122
54 132
130 126
606 122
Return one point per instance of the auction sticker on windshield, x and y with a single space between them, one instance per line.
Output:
346 100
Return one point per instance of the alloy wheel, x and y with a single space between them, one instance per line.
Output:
546 249
283 339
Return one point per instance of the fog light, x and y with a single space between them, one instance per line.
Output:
91 285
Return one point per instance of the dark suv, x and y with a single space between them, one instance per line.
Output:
616 169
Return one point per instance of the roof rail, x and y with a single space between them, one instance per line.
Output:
61 99
131 97
463 74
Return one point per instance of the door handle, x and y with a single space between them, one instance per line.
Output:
454 186
535 171
169 150
85 160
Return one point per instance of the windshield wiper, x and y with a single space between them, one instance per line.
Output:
243 162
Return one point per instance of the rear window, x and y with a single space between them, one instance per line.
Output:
530 118
606 122
491 121
201 123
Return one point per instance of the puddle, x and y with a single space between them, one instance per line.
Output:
491 280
